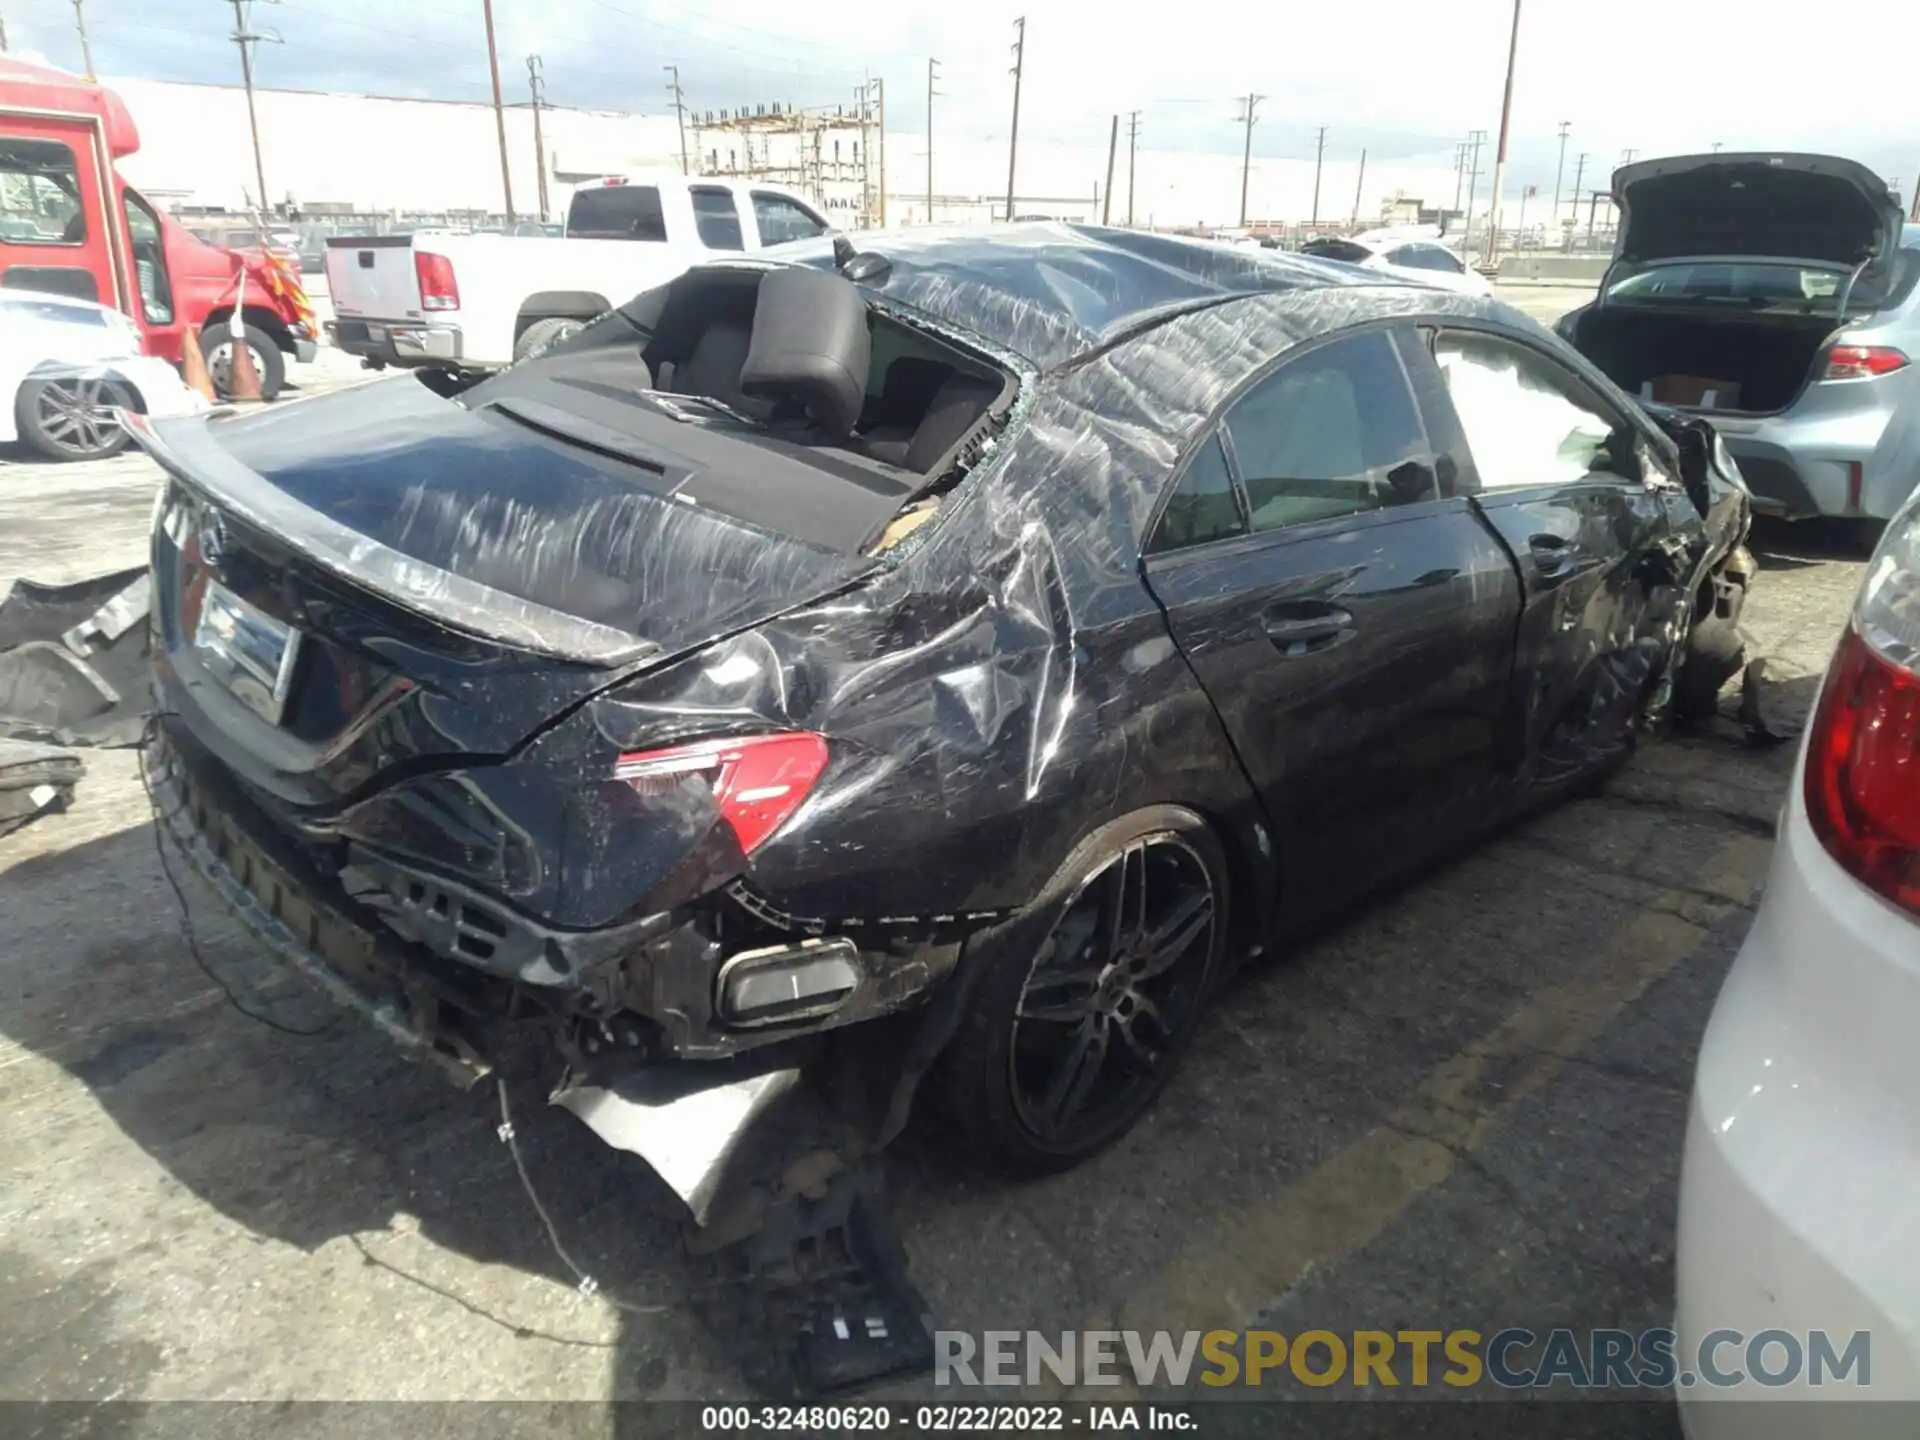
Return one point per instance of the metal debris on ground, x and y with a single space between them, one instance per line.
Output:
34 780
73 660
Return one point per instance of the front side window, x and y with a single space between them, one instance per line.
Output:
1322 435
40 194
716 217
1427 257
617 212
781 220
149 261
1203 505
1525 421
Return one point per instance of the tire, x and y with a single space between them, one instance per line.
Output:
542 333
216 343
58 417
997 1079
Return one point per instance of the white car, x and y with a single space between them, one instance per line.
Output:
1408 257
66 365
1800 1189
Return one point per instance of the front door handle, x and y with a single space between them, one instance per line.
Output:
1553 556
1296 630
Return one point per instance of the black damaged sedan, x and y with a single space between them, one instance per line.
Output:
940 660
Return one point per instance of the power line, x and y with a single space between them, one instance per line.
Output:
1358 186
1013 137
1246 153
679 112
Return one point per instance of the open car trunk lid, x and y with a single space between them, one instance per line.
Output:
452 579
1803 207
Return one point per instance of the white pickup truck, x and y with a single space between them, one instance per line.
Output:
479 301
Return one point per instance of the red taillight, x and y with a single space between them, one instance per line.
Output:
1863 770
1862 362
438 289
757 780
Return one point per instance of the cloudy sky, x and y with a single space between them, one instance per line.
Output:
1406 79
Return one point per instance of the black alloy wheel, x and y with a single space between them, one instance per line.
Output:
1111 992
1085 1000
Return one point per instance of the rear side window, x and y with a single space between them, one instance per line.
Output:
716 217
1318 437
617 212
1203 506
780 220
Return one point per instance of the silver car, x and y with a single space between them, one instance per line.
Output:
1777 295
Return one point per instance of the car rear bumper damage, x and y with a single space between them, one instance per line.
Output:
667 1080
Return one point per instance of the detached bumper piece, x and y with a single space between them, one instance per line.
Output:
73 660
34 780
817 1300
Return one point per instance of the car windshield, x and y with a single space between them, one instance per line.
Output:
1763 285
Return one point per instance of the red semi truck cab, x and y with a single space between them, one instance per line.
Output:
70 225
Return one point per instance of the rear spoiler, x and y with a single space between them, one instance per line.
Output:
188 452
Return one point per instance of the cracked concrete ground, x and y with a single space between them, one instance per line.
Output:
1460 1107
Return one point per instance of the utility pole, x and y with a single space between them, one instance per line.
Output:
1593 204
1319 158
1566 127
1628 156
246 38
535 82
1246 154
1475 138
1106 202
1500 150
1579 174
1013 136
1459 173
499 110
1133 141
1716 147
932 66
3 34
679 112
1358 186
880 93
86 48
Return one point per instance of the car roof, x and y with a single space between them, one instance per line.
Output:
1053 292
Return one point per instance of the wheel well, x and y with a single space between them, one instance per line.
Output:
259 317
55 371
559 305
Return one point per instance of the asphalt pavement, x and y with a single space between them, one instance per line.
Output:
1461 1106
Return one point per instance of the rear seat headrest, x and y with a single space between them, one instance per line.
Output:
810 343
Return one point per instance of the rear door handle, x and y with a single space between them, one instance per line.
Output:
1297 631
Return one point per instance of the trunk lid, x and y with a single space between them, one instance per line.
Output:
451 580
372 277
1802 207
